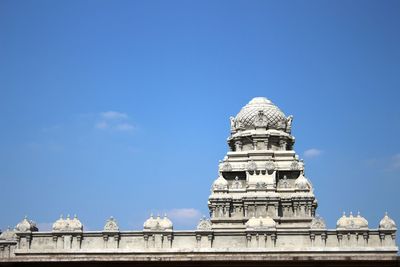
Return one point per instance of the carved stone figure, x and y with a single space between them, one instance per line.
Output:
237 184
284 183
261 120
204 224
111 225
238 146
289 121
233 123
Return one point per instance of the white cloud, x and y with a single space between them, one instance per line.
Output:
101 125
113 115
312 153
387 163
184 216
124 127
114 120
394 163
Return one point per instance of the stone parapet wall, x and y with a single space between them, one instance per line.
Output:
323 241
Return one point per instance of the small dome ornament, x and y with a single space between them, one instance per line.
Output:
220 183
60 224
26 225
166 223
204 224
302 183
158 224
151 223
261 223
8 235
67 225
352 223
75 224
111 225
318 223
387 223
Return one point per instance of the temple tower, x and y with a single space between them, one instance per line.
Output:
261 177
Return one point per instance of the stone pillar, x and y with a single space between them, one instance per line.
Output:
248 240
312 238
323 239
105 241
146 241
340 238
266 143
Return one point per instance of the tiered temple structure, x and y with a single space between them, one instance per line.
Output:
262 208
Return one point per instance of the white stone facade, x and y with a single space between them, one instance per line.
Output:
261 204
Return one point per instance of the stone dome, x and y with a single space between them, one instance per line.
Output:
220 183
166 223
60 224
75 224
151 223
351 222
157 224
387 223
275 117
26 225
67 225
260 223
302 183
8 234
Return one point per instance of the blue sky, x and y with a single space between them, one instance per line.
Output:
122 107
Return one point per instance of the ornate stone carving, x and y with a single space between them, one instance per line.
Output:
233 123
295 166
318 223
238 146
302 183
261 185
8 235
26 225
158 224
261 120
220 183
247 115
111 225
387 223
284 183
204 224
351 222
67 225
251 166
226 167
237 184
270 165
261 223
289 121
